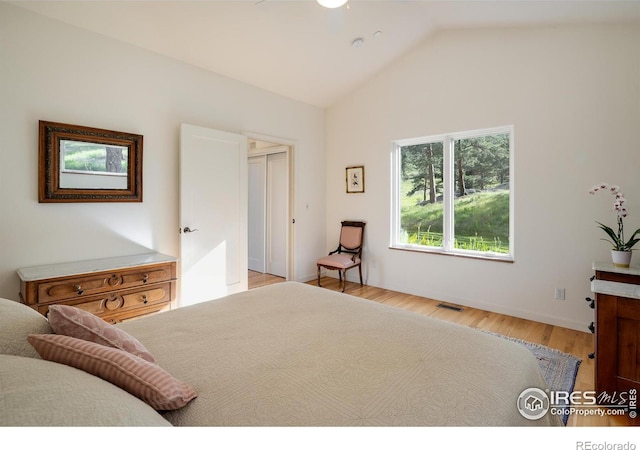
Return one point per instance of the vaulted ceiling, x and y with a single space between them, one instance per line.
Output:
300 49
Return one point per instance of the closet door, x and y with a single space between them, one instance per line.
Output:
257 213
277 214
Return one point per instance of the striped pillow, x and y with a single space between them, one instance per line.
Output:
144 379
78 323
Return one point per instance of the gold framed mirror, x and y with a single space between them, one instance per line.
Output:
84 164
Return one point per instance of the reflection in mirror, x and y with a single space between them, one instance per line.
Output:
83 164
87 165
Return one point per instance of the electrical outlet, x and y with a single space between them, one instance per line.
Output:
559 293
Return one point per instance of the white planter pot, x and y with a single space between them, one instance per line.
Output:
621 259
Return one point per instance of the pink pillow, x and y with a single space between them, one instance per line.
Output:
81 324
145 380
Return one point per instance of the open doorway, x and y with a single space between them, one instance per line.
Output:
269 209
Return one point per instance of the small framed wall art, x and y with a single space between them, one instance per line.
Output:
355 180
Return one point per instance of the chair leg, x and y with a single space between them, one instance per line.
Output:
360 270
343 278
319 276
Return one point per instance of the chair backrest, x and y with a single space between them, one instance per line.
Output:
351 237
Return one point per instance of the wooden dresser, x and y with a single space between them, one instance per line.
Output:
114 289
617 328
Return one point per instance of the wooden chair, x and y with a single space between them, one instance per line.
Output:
348 254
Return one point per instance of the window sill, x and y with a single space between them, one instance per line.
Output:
458 253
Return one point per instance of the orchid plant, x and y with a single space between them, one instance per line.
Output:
617 238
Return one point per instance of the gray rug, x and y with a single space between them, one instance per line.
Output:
558 369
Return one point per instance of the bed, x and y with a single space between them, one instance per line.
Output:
293 354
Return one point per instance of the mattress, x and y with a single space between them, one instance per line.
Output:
292 354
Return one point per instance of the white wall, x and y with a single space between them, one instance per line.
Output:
573 96
52 71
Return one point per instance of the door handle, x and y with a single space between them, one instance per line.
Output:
189 230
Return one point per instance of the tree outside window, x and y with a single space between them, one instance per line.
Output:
452 193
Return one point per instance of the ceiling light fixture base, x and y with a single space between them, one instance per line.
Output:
332 3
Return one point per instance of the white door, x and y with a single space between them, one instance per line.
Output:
257 213
213 214
277 217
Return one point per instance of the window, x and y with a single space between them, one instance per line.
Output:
453 194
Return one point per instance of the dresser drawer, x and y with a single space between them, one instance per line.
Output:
85 286
111 306
115 289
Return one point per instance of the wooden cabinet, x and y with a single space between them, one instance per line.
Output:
114 289
617 328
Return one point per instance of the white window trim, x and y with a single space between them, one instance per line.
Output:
449 189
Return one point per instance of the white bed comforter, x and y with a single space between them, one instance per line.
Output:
292 354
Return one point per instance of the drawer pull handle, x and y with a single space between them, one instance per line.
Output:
79 289
114 280
144 299
592 302
145 278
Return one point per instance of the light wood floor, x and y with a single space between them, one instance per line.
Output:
577 343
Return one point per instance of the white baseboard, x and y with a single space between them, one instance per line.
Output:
500 309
